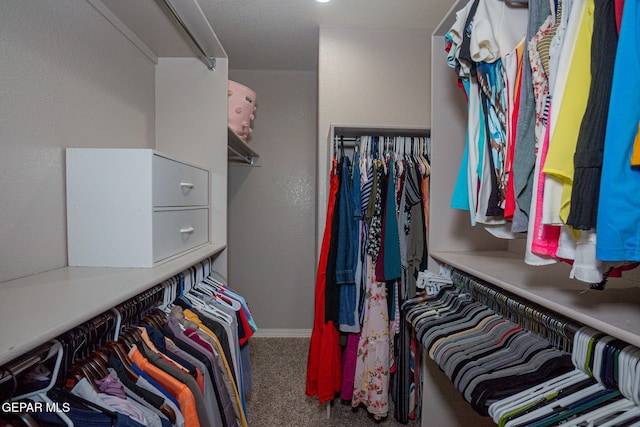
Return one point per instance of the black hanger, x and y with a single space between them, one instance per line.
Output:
63 395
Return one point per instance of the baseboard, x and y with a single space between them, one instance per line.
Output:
282 333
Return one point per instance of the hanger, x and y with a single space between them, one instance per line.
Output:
550 327
534 394
170 293
424 162
572 387
200 304
631 415
399 156
83 369
66 396
517 3
151 321
24 419
364 155
11 371
54 350
155 317
222 294
159 315
116 350
629 373
221 286
373 150
130 337
99 361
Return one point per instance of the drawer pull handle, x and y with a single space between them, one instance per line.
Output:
187 230
186 185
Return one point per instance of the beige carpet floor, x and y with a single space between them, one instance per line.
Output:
278 399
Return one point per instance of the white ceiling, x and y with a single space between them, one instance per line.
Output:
276 34
283 34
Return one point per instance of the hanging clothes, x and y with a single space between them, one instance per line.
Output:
524 156
388 247
548 177
150 367
588 156
345 248
323 362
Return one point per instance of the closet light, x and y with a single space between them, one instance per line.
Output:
323 1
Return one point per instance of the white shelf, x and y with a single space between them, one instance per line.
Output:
239 150
35 309
615 310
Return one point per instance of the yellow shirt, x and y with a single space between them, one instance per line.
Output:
562 145
194 318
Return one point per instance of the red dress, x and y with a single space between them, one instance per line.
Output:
324 374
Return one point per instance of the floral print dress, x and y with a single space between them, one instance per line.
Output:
371 383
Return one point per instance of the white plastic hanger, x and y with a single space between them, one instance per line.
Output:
579 357
549 409
629 373
208 284
628 415
225 290
594 418
220 298
398 156
170 293
200 304
41 394
598 355
502 407
364 155
580 347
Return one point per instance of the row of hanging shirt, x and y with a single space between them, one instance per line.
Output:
178 358
374 244
553 114
510 360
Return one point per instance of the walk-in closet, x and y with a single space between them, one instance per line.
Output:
427 216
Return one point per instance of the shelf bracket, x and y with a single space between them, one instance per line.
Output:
246 158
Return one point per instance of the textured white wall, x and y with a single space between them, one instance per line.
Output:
369 76
191 124
74 81
271 223
365 76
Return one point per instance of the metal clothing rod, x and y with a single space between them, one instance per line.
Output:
9 372
535 318
197 18
348 142
351 141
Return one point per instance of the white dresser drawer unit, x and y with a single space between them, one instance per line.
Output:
133 207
